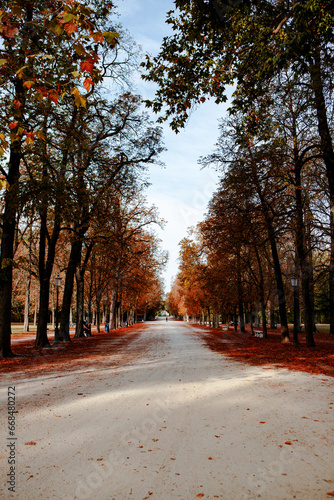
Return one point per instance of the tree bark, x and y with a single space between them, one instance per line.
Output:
7 250
328 157
304 263
80 303
45 272
279 283
75 255
27 305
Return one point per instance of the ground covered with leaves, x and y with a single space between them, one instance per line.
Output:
111 348
271 352
102 348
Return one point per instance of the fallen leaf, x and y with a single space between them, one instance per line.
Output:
99 459
262 422
155 440
210 458
200 495
287 442
32 443
330 493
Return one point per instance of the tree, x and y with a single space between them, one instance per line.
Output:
215 44
35 36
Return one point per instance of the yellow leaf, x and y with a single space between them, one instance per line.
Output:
28 84
83 101
29 141
3 61
76 74
4 142
68 17
40 135
110 36
58 29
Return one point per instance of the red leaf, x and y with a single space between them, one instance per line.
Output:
28 84
88 84
17 103
71 28
13 125
87 65
9 31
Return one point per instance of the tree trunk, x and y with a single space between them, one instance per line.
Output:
112 315
27 305
45 271
71 317
80 303
35 313
304 263
98 318
272 315
53 309
279 284
74 259
7 250
43 316
262 295
328 156
240 297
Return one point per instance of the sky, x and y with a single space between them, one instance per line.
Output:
180 190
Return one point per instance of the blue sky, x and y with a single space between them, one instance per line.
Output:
181 190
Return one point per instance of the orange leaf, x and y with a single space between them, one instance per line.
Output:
200 495
30 135
87 65
17 103
330 493
9 31
287 442
28 84
53 95
87 84
31 443
71 28
13 125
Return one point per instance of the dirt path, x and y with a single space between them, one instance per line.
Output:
174 421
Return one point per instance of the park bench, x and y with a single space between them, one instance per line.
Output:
258 333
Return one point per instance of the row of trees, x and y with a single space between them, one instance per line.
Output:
74 155
272 215
117 276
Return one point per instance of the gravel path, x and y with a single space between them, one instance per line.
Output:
175 422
